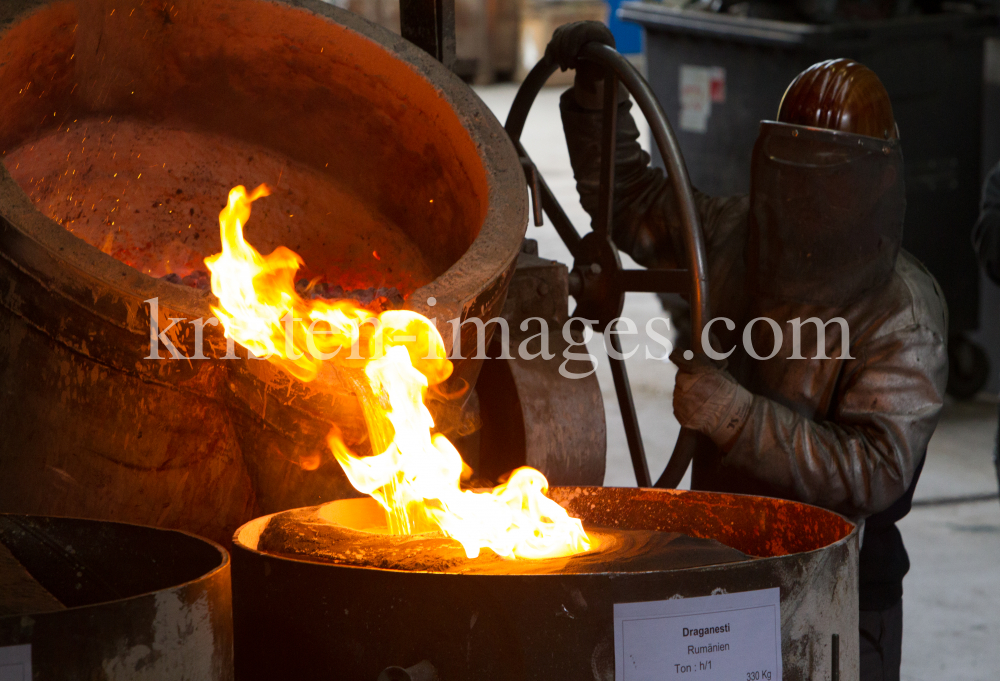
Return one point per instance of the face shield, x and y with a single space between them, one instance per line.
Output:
826 213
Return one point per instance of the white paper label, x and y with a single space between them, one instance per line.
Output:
729 637
15 663
700 86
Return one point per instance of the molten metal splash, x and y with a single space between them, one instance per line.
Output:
416 476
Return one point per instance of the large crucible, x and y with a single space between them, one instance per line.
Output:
122 137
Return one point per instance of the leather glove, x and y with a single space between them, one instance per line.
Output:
708 399
568 39
566 43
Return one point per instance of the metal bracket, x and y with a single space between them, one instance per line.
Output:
535 188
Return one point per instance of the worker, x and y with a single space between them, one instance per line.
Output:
986 241
845 426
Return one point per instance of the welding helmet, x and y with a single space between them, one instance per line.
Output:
826 192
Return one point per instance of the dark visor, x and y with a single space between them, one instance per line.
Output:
804 147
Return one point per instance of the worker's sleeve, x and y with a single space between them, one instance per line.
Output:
863 458
646 222
986 233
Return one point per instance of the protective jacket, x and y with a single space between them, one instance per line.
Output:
846 427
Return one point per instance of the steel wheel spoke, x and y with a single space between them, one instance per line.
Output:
629 417
655 281
687 443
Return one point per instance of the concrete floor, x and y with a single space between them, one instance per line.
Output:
952 602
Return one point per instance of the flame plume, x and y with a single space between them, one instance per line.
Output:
414 475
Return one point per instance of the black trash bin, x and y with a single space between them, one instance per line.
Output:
734 71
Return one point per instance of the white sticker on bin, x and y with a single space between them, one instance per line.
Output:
15 663
710 638
700 87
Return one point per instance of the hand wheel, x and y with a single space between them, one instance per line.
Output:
597 279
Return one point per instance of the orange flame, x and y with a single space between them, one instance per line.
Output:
416 475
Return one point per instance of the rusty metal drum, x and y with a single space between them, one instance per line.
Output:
85 599
547 620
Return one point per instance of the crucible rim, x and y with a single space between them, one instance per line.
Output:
488 258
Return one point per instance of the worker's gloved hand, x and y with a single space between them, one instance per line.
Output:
568 39
564 48
708 399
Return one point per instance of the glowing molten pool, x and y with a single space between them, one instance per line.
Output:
392 358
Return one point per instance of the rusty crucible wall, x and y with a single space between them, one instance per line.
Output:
92 428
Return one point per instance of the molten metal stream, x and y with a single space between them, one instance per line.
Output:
415 475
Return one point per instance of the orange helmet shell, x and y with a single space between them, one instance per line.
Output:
839 94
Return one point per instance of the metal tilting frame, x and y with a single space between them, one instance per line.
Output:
597 279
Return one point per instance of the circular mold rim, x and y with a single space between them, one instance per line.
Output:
247 537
